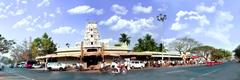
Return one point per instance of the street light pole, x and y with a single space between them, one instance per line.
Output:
161 18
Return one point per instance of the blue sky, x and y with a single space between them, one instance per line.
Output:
211 22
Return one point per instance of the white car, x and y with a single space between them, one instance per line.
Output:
36 66
137 64
56 66
1 66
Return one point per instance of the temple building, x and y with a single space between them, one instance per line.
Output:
91 51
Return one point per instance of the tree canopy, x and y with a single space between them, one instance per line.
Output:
43 46
146 44
184 44
16 52
5 44
216 54
220 54
237 52
124 38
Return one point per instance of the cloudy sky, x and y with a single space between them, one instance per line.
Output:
212 22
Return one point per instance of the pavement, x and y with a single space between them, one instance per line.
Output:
226 71
12 76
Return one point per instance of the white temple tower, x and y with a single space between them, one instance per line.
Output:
91 37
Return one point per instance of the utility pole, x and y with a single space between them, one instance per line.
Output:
102 52
29 47
82 53
161 18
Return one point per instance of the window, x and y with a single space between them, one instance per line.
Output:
91 35
91 43
91 29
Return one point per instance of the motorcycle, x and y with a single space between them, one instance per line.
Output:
119 69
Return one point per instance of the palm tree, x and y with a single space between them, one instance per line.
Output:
124 38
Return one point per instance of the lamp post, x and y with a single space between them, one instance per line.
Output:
161 18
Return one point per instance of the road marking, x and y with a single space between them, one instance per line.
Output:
205 74
24 77
177 71
21 76
192 78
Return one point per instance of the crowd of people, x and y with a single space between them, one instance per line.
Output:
120 65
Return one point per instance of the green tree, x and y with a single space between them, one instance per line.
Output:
146 44
42 46
6 60
204 51
5 44
220 54
161 48
237 52
124 38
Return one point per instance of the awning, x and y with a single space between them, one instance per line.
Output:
111 54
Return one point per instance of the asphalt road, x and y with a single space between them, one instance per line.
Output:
227 71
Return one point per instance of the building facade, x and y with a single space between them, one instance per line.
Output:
91 51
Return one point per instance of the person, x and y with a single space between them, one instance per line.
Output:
126 64
102 65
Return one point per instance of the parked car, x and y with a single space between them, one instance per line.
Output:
37 66
10 65
29 63
213 63
1 66
56 66
21 65
137 64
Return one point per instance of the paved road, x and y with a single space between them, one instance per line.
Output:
227 71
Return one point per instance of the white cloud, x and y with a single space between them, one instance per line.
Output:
30 29
30 23
203 8
8 10
99 12
21 2
3 16
24 2
46 25
85 9
141 9
108 41
25 22
2 4
43 3
119 9
64 30
51 15
111 20
219 2
117 23
168 40
221 27
163 7
188 15
178 26
198 30
58 10
19 12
